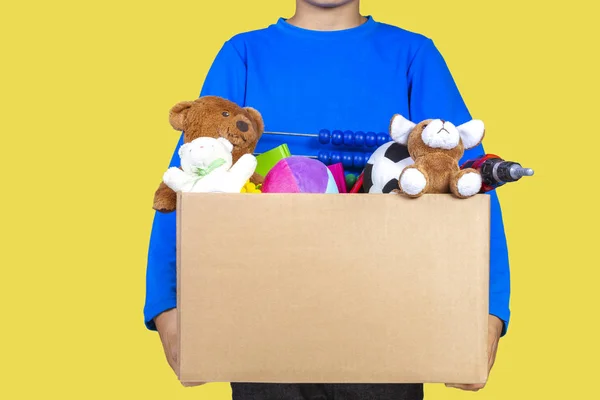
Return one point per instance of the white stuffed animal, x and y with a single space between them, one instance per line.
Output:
206 166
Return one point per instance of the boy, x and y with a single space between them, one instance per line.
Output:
327 67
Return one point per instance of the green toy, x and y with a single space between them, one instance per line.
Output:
350 180
267 160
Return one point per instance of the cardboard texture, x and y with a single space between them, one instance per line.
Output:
293 288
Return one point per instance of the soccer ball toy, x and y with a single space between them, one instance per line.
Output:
384 167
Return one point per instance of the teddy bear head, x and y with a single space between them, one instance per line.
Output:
204 154
212 116
436 136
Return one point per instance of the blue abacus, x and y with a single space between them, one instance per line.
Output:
349 159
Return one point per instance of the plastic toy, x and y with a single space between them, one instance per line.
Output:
495 172
350 180
358 185
250 187
349 159
268 159
343 138
354 159
337 170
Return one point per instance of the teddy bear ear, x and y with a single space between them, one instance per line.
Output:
226 143
257 118
471 133
400 129
178 113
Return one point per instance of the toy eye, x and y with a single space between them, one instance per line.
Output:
225 114
425 126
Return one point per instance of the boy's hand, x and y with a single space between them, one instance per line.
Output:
166 325
495 326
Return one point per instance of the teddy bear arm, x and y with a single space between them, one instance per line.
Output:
165 199
414 180
257 179
465 183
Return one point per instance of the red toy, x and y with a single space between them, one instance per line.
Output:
358 185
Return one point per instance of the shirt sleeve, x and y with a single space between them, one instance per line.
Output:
433 93
226 78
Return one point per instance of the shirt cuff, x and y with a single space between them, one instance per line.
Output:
504 316
153 310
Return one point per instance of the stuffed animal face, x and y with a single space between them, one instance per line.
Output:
211 116
436 135
202 152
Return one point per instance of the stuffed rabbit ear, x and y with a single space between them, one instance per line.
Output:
400 128
471 133
226 143
181 149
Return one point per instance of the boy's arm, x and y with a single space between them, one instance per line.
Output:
434 94
226 78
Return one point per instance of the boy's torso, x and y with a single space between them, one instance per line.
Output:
305 85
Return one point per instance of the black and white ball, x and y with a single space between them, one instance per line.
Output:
384 168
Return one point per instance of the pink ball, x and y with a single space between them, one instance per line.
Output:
298 174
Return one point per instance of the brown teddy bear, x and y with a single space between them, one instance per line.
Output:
212 116
436 146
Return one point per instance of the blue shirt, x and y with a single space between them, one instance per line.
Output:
304 81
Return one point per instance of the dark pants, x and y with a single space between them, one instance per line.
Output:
264 391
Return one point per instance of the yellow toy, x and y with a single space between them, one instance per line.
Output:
250 187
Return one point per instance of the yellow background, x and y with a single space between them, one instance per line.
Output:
86 87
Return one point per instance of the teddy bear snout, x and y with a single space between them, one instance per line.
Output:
444 128
242 126
440 134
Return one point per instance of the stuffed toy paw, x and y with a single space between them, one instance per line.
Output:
207 166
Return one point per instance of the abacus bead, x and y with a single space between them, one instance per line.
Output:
359 138
337 138
370 139
324 157
348 138
359 160
335 157
350 181
367 156
347 160
382 138
324 136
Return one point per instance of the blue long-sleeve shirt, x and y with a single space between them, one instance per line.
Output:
304 81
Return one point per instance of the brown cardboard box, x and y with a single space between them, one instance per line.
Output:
332 288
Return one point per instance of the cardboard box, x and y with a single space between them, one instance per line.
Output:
348 288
